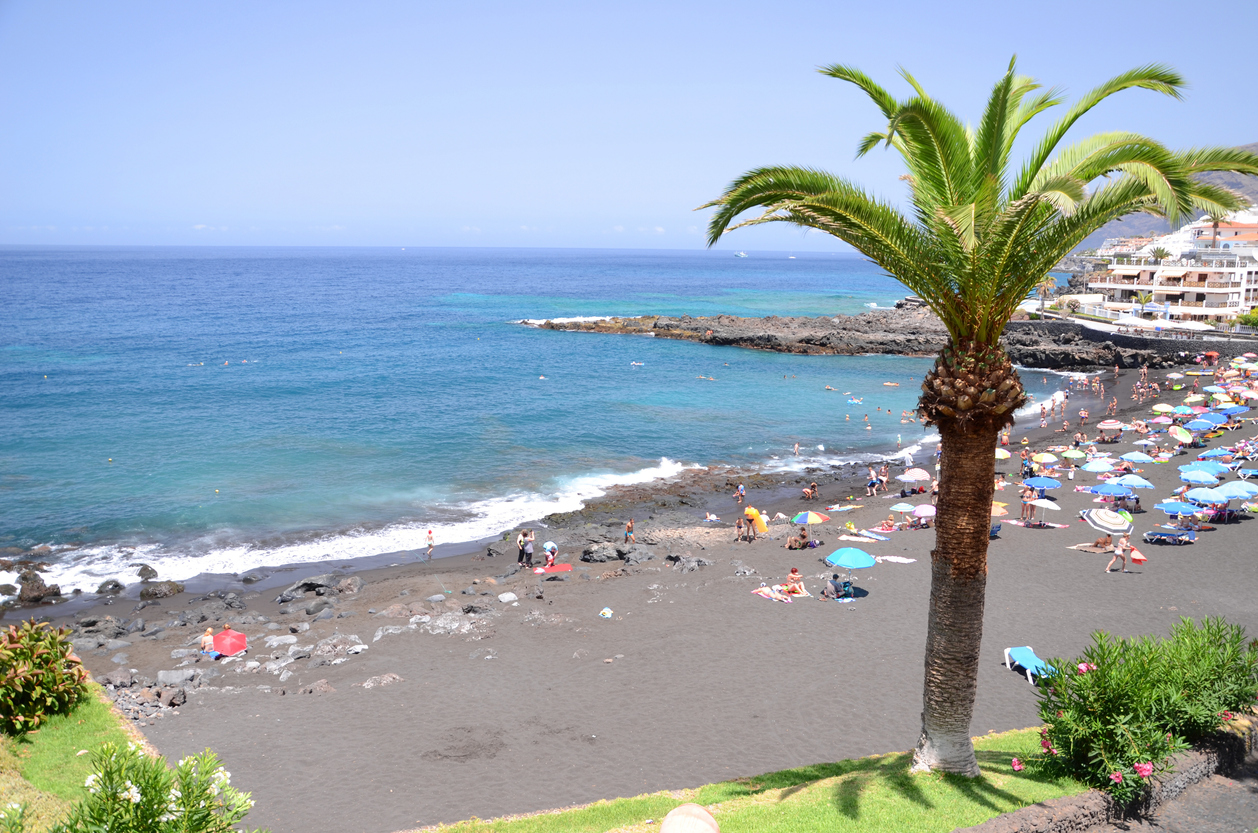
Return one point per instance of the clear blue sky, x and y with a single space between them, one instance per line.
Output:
523 124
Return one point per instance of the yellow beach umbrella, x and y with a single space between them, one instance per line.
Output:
1044 457
1196 397
1001 454
1162 408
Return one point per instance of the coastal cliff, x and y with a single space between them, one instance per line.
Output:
908 331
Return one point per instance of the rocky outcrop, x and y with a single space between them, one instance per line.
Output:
910 330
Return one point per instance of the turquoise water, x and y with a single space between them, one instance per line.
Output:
270 406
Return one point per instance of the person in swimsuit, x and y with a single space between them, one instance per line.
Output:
629 539
738 529
1120 554
431 544
528 549
795 583
520 541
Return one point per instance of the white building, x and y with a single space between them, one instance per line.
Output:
1210 275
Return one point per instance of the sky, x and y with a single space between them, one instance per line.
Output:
597 125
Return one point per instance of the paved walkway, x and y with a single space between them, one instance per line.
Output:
1216 805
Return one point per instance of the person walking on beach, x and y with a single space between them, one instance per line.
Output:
738 529
796 449
871 487
520 541
431 544
629 539
1120 554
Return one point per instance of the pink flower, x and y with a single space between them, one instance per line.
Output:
1017 765
1226 716
1045 743
1144 770
1083 668
1116 777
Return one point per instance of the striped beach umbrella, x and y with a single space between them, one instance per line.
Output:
1001 454
810 518
1106 520
1177 433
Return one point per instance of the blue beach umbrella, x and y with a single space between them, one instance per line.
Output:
1238 490
1208 466
1042 483
1132 481
850 558
1216 419
1198 477
1178 507
1097 467
1137 457
1182 410
1235 410
1206 496
1110 490
1214 389
1215 452
1198 425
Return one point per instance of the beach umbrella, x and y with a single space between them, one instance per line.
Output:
1177 433
1238 490
1110 490
1215 419
1235 410
924 510
1097 467
1215 452
1107 520
1163 408
1073 454
809 518
1044 457
228 643
1213 389
1198 477
1175 376
1198 409
1137 457
1250 355
1162 420
1144 442
1001 454
998 509
1196 397
1208 466
1249 394
1110 425
1132 481
1206 496
912 475
1198 425
850 558
1178 507
902 508
1182 410
1042 483
1045 503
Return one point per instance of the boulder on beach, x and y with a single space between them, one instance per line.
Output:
34 589
160 590
110 587
599 553
145 572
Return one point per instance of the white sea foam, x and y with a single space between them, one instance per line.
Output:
579 319
87 567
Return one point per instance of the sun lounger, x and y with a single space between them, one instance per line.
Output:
1026 659
1187 537
1248 473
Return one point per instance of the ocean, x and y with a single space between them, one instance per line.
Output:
211 410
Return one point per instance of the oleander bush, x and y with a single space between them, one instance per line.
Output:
39 675
130 792
1114 716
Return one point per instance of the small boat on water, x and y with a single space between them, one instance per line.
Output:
891 384
740 254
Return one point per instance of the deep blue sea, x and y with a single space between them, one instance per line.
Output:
220 409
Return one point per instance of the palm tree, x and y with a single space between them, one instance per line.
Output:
978 236
1045 288
1159 254
1219 215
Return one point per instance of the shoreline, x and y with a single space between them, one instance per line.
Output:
671 501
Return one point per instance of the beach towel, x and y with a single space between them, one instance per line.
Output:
1090 548
897 559
856 538
843 507
558 568
874 535
1137 557
1037 525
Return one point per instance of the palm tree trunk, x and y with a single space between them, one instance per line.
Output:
954 630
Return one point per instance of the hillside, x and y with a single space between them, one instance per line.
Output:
1140 225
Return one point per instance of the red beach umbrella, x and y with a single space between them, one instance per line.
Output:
229 642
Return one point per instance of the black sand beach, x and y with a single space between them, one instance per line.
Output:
515 707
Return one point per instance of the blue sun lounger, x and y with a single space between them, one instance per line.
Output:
1026 659
1187 536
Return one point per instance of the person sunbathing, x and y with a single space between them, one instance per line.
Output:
795 583
1104 542
888 525
798 542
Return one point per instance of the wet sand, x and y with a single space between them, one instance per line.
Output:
706 681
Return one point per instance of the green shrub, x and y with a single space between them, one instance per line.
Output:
130 792
39 675
1114 716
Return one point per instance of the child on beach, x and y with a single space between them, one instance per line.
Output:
738 529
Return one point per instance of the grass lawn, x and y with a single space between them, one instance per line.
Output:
865 794
45 771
